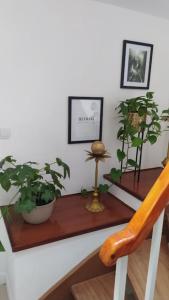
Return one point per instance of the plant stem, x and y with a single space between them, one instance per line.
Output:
127 155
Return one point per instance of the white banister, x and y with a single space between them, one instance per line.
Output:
154 257
120 278
122 264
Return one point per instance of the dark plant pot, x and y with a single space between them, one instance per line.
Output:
39 214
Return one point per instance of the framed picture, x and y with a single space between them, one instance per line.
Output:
136 65
85 115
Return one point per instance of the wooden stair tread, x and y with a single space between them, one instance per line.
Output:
98 288
138 266
65 223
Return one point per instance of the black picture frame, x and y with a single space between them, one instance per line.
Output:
136 65
85 119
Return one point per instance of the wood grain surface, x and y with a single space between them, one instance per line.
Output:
139 189
98 288
69 218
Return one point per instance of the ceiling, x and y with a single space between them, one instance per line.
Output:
159 8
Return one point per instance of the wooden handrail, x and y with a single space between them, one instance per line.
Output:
126 241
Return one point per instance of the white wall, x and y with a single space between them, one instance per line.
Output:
51 49
49 264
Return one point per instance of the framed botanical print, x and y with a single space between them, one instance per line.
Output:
85 116
136 65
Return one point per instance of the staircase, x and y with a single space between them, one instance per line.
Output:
101 287
142 265
145 261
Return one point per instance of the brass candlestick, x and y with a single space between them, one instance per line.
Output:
166 160
98 154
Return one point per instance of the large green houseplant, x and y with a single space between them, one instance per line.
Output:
35 186
140 122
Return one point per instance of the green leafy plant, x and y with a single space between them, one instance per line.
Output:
148 120
102 188
35 186
1 247
84 193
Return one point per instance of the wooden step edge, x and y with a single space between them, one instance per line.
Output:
100 288
97 288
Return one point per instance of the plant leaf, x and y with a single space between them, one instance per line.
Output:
142 111
47 195
165 111
24 206
120 154
5 182
132 163
115 174
66 168
120 132
8 159
5 211
150 95
31 163
136 142
2 249
103 188
152 139
56 180
156 124
84 193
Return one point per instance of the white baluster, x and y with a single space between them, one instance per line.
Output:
154 257
120 278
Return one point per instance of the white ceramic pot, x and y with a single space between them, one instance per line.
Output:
39 214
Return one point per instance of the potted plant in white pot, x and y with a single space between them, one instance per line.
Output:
37 188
